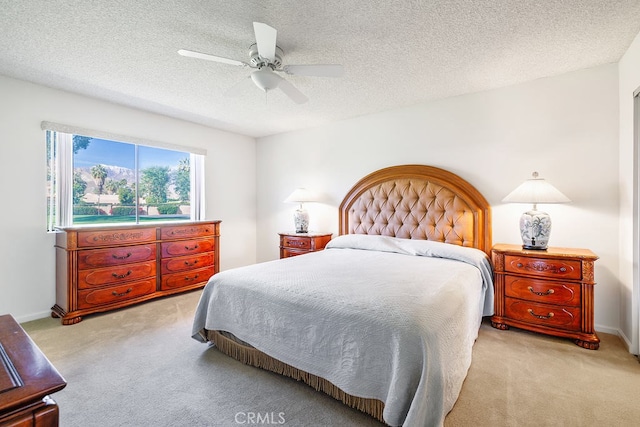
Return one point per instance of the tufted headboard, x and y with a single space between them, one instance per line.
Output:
417 202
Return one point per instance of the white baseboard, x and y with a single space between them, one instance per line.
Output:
607 330
33 316
626 340
617 332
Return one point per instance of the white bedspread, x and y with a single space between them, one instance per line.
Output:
379 317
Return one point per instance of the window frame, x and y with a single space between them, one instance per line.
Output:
59 149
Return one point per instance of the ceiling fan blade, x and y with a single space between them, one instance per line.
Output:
198 55
292 92
266 40
319 70
239 88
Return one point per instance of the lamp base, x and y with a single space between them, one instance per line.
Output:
534 248
535 229
301 220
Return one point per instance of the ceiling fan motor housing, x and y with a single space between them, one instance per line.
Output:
258 62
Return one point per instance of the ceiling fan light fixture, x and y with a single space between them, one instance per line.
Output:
265 79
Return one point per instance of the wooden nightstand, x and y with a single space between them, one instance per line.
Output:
292 244
549 291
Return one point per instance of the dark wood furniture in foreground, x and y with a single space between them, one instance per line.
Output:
26 380
292 244
547 291
105 268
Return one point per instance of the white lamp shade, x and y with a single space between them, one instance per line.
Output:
301 195
536 190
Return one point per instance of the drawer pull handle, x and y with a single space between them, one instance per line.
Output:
540 316
540 294
191 263
520 265
115 294
563 269
121 256
121 276
187 278
191 248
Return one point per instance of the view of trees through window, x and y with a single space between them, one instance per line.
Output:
122 182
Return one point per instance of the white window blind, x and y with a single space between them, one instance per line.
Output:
76 130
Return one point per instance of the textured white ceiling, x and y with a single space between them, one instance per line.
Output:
395 53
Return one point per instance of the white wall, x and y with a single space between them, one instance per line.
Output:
629 75
27 265
564 127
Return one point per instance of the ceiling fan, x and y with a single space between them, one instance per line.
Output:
267 60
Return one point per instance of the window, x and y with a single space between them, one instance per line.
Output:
94 180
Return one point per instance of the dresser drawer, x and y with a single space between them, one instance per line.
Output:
116 274
95 258
92 298
187 231
107 237
174 265
543 314
186 247
544 291
189 278
293 242
553 268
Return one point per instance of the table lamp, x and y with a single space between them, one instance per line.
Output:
301 216
535 226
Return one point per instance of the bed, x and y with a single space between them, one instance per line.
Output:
384 319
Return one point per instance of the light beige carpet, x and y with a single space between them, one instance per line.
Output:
139 367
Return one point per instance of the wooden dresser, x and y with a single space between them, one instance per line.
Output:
548 291
26 380
105 268
292 244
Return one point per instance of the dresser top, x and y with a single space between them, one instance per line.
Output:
128 226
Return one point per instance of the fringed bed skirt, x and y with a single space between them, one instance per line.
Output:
254 357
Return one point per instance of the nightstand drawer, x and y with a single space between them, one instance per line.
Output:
544 291
554 268
296 242
542 314
288 253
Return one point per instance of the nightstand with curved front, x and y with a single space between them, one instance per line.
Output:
547 291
